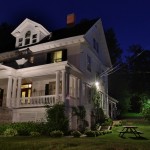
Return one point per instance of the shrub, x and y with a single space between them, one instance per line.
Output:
57 133
108 122
34 133
76 133
146 111
10 132
56 119
90 133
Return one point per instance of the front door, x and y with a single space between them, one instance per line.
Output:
1 97
26 92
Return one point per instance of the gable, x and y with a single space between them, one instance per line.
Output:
96 39
29 32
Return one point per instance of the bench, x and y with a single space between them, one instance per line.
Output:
121 133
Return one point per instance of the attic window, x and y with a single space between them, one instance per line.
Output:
34 38
27 37
20 41
28 34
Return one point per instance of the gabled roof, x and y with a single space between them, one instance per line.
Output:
78 29
29 22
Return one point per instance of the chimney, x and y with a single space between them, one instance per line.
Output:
70 20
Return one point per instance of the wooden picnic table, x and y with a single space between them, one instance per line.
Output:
130 129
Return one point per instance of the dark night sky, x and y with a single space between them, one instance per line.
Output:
129 18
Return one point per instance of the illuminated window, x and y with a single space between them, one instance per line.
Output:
57 57
26 92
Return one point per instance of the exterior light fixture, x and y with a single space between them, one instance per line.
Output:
97 85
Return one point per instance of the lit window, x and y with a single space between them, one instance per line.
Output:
57 57
88 63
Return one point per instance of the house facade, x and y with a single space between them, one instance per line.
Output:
51 67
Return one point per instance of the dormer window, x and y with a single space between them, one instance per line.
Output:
27 37
34 38
20 41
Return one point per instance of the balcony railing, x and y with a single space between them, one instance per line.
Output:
39 101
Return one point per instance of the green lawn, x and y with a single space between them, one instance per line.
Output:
107 142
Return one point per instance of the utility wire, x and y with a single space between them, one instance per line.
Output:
119 66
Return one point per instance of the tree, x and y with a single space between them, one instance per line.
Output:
113 46
7 41
138 70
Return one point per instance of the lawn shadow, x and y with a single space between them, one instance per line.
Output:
138 138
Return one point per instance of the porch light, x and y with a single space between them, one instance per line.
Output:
30 85
97 85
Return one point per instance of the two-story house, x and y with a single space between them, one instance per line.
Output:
50 67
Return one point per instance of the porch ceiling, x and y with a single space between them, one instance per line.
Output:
43 70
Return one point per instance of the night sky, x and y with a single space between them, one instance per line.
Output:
130 19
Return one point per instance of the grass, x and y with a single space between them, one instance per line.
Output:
104 142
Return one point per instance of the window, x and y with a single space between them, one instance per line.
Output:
20 41
57 56
28 34
88 63
97 76
72 86
50 89
95 45
34 38
27 37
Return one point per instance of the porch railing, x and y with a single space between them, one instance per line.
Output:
39 101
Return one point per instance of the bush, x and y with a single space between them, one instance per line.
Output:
57 133
90 133
25 128
10 132
56 119
108 122
146 111
76 133
34 133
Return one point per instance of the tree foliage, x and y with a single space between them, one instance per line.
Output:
7 41
113 46
56 118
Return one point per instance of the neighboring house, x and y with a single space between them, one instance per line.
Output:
51 67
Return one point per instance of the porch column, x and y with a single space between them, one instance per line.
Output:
63 85
19 90
14 92
57 85
9 90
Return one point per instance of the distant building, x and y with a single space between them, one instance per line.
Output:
48 67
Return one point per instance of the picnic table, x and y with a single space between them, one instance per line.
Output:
130 129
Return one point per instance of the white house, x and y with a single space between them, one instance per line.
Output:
50 67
